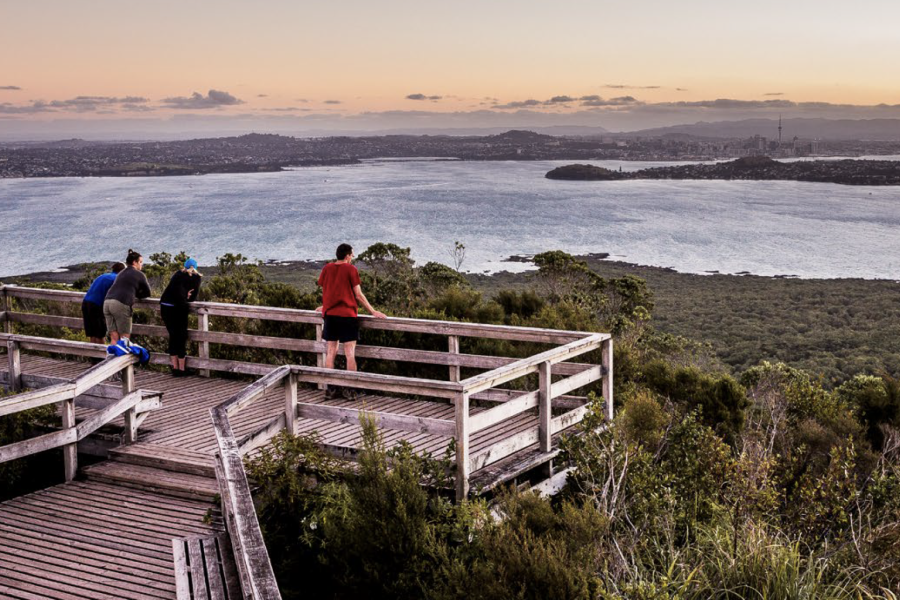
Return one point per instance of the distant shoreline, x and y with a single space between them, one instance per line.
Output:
297 270
750 168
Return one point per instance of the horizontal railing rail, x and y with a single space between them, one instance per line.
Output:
452 358
135 405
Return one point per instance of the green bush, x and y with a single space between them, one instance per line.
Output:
720 399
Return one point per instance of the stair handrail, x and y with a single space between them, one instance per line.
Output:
134 405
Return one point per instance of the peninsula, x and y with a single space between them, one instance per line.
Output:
758 168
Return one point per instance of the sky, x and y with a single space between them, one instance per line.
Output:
118 68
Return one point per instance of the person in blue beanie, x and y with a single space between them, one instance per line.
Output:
92 305
183 288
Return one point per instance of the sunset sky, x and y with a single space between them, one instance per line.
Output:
364 65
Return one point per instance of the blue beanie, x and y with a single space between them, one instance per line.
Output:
190 264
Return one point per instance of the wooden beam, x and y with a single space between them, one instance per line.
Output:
504 448
37 444
104 416
322 355
27 342
524 334
463 430
545 394
36 398
375 381
290 402
70 451
5 307
453 348
576 381
509 408
568 419
252 558
203 348
14 361
384 420
255 389
606 359
529 365
182 581
103 371
261 435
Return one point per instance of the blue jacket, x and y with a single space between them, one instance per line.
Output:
96 294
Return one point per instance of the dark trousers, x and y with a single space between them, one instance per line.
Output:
176 320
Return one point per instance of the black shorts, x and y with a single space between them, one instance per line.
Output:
94 321
340 329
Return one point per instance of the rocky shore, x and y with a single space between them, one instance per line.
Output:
757 168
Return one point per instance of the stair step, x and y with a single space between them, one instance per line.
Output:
171 483
168 458
502 471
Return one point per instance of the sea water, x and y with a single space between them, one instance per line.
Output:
496 209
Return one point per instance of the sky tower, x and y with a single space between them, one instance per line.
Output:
779 131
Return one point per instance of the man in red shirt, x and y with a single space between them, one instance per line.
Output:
340 293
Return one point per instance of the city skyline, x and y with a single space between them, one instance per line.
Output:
357 66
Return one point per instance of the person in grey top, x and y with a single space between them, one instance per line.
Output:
130 285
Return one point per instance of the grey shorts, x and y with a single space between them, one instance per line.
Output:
118 316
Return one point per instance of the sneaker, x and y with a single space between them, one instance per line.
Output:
332 392
349 394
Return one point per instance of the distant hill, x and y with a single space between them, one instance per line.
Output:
828 129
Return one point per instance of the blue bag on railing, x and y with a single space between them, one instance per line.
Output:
123 347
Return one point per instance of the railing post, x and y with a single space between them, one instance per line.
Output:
15 365
320 356
453 343
290 402
606 359
462 446
70 451
4 309
545 402
203 325
131 424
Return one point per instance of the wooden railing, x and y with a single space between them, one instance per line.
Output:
256 573
452 359
257 577
134 404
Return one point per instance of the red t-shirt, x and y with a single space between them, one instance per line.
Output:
337 281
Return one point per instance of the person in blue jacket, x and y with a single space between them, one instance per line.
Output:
92 305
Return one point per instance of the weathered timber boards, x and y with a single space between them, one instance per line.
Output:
307 316
91 540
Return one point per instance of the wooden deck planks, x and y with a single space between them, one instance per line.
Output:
183 423
89 540
117 528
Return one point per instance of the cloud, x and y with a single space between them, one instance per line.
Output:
681 89
560 100
262 95
213 99
133 107
774 94
36 107
730 103
93 103
519 104
423 97
11 88
621 86
285 109
81 104
332 102
595 100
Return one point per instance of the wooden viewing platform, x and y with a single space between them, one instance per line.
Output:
144 524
